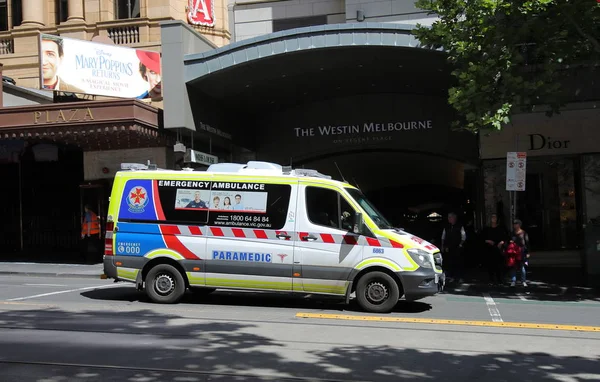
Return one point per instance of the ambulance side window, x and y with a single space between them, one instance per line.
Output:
328 208
187 205
347 214
241 207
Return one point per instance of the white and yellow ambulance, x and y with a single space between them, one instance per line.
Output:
260 226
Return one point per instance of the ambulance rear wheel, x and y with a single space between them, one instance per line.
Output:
377 292
165 284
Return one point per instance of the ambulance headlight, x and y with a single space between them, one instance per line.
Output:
420 257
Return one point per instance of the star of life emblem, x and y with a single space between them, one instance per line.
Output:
201 12
137 199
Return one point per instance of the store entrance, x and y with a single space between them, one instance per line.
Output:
549 206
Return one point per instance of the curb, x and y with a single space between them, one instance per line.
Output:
47 274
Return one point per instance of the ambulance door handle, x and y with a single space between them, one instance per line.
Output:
283 236
309 238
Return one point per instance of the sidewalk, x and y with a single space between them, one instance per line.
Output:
544 284
52 269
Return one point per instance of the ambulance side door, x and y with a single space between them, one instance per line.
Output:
250 245
326 247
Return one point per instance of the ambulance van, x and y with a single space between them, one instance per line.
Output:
261 227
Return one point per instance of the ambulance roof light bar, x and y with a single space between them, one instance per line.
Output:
133 166
256 167
225 167
309 172
139 166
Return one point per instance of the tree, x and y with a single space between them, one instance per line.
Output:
508 55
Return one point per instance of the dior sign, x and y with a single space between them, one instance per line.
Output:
541 142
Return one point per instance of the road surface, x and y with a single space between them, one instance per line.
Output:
69 329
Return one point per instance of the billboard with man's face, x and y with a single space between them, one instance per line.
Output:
79 66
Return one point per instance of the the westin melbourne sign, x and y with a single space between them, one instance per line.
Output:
364 128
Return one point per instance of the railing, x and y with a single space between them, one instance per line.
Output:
7 46
124 35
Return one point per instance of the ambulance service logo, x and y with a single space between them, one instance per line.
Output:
137 199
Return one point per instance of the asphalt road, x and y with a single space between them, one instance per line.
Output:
55 329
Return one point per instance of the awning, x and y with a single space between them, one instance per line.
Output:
99 125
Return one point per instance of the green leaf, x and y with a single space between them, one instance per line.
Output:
507 54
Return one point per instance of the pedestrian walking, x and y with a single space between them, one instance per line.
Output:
495 237
453 240
518 253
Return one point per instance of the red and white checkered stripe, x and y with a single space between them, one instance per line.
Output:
420 241
350 240
262 234
240 233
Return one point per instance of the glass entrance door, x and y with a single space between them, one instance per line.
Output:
548 207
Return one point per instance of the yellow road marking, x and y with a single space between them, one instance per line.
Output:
515 325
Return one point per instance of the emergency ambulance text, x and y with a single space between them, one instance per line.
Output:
184 184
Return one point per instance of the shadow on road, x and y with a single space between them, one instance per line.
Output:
101 346
259 299
544 284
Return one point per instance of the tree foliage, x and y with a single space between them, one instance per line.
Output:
509 55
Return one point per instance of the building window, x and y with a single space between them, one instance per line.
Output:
3 16
127 9
17 12
283 24
62 11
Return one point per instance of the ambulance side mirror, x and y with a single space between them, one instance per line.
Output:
358 223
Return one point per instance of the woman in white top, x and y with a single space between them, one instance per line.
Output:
226 203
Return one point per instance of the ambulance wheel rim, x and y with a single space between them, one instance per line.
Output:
164 284
376 293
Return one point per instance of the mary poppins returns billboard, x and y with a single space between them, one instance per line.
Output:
86 67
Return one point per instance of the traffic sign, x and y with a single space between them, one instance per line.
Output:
516 169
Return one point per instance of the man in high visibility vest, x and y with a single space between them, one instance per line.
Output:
90 235
90 225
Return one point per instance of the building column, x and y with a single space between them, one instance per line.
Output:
75 11
32 13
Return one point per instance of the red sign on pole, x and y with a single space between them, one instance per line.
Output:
201 12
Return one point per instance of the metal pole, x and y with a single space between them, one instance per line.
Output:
21 240
514 199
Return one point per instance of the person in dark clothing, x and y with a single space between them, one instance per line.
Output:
197 202
495 237
453 239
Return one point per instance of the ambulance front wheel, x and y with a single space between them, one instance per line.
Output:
377 292
165 284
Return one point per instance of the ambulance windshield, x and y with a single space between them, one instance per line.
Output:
369 208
